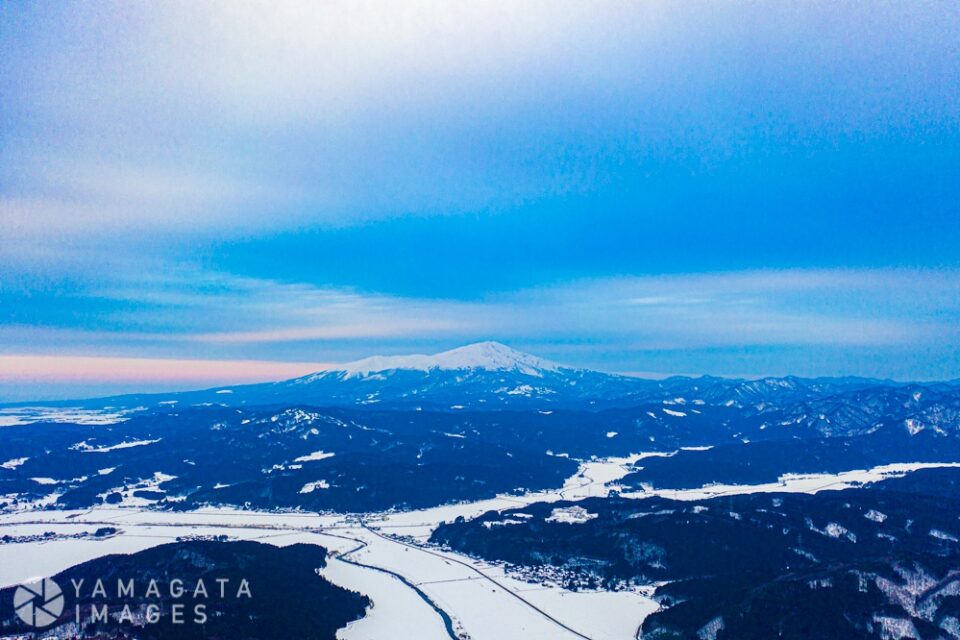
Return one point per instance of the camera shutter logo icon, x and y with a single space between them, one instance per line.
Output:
38 603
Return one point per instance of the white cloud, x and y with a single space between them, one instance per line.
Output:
789 307
266 61
258 115
186 327
187 309
382 328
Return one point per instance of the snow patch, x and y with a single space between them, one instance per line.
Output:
86 448
310 487
314 457
490 524
913 426
896 628
942 535
832 530
149 484
61 415
570 515
13 463
710 630
522 390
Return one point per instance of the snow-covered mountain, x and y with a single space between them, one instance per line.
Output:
468 423
484 375
488 356
490 375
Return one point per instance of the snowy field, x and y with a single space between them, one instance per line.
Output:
71 415
407 582
797 483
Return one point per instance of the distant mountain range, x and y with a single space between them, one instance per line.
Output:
488 376
469 423
409 432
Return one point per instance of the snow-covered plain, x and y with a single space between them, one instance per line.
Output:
481 599
797 483
469 591
10 417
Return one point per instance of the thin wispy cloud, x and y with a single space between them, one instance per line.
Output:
87 369
841 309
353 330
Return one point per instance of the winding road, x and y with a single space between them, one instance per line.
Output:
339 531
446 587
473 569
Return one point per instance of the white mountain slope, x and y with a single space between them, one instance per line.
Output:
489 356
481 375
485 375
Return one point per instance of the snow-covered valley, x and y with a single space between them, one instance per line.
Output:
416 589
469 591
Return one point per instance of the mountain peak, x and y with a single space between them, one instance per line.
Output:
490 356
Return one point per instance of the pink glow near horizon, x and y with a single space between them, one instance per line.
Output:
45 368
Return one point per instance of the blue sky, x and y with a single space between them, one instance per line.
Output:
651 187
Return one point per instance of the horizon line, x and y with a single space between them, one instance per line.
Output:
73 371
